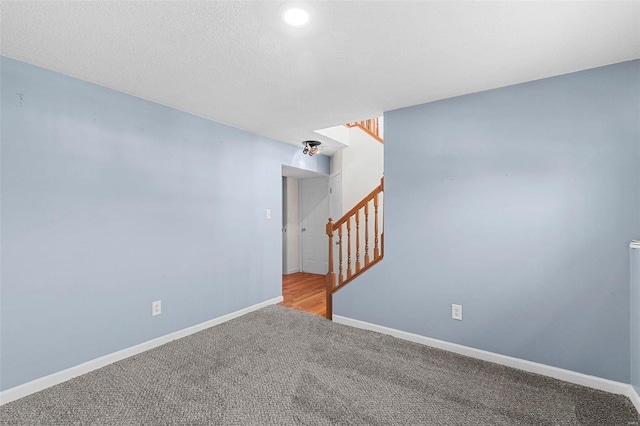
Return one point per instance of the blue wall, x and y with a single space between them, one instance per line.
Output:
518 203
635 319
110 202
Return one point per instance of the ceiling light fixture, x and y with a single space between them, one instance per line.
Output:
311 147
296 17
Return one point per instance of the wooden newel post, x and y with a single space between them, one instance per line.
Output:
331 276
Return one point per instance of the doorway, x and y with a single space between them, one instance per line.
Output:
305 212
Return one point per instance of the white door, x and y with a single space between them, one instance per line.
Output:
314 212
291 226
284 225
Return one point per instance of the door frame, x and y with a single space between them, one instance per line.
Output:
331 177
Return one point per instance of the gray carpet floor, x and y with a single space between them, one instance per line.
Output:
278 366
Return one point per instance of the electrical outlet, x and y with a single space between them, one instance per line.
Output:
456 312
156 308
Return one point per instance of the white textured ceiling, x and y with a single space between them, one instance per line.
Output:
236 62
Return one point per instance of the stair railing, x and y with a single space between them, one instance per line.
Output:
371 126
360 229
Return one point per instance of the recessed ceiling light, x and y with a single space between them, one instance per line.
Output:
295 17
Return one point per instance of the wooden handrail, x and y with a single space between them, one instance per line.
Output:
378 189
371 126
361 265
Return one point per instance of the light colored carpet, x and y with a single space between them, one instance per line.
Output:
278 366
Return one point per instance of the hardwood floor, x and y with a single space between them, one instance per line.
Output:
304 292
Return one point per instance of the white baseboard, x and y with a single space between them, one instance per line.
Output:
521 364
634 397
62 376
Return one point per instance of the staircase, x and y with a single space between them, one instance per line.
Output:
353 234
